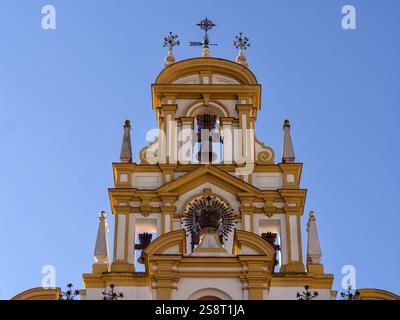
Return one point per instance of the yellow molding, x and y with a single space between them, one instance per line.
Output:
251 240
292 280
166 241
118 279
197 177
377 294
206 65
196 91
39 294
143 167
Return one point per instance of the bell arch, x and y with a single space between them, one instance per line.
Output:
213 107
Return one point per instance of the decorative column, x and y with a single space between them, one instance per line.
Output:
294 247
170 130
247 211
121 242
255 276
186 133
228 141
167 213
246 138
164 277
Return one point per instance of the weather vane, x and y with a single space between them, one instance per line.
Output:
242 43
170 41
205 25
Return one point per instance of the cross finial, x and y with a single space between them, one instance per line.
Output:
241 42
170 41
206 25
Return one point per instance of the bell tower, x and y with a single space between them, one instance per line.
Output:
208 207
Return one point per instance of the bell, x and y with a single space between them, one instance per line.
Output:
141 258
145 240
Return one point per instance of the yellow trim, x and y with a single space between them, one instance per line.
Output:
377 294
253 241
210 65
115 237
300 280
39 294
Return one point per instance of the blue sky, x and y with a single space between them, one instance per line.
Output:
65 93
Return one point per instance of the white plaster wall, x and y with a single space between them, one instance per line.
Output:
268 181
130 293
183 104
136 293
177 224
131 239
186 287
230 105
167 223
146 180
290 293
294 244
247 222
228 196
94 294
192 79
121 237
222 79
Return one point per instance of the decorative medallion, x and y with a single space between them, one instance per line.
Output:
209 213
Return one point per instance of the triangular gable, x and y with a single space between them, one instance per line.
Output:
210 174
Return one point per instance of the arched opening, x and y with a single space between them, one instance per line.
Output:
209 298
270 231
209 294
145 233
208 145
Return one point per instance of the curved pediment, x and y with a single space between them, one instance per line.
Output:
223 71
250 244
171 243
210 174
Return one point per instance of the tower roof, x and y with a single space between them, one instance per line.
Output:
184 68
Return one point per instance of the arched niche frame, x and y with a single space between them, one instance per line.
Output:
199 108
209 294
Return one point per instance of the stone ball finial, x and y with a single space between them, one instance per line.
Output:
286 123
103 214
312 214
127 124
170 58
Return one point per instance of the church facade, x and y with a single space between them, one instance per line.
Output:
260 255
210 211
